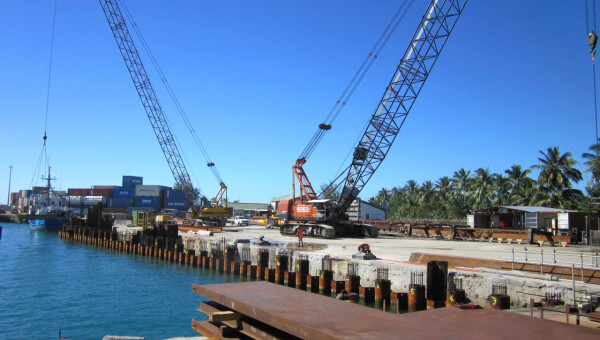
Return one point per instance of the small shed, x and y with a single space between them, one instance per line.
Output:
361 210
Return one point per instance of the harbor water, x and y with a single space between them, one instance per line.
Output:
47 284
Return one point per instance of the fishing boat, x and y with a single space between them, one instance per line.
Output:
48 210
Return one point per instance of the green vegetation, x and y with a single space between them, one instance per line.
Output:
454 197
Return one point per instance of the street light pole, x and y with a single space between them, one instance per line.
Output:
9 180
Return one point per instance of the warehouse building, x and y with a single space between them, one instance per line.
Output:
249 210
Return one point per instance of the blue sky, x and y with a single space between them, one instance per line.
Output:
257 77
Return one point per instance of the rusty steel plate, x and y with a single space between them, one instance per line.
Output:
312 316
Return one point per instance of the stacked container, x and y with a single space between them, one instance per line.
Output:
122 198
103 190
175 199
149 196
132 181
79 192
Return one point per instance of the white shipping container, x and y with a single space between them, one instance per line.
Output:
91 200
148 190
75 199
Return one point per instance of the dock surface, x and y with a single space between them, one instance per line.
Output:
311 316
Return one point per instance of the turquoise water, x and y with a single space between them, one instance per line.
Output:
47 284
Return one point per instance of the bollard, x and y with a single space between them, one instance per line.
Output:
282 265
353 283
455 296
499 301
301 273
313 282
290 279
204 262
252 271
212 262
383 289
244 268
262 263
416 298
401 301
325 278
271 275
228 258
338 286
369 294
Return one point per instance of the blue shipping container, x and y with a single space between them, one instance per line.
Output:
121 203
124 193
174 194
147 202
131 181
176 204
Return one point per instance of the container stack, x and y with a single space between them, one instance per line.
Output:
175 199
149 196
123 196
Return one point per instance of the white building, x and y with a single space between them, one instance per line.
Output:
364 211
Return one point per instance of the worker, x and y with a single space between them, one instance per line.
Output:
300 234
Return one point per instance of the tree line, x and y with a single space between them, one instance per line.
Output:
455 197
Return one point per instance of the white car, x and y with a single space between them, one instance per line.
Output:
240 221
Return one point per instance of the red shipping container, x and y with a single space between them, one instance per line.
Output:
79 192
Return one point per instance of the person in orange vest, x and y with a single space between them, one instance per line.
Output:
300 234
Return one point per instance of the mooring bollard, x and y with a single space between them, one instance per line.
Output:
282 265
302 266
416 297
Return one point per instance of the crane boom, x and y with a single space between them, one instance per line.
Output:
402 91
147 95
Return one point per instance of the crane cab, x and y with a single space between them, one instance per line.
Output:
313 210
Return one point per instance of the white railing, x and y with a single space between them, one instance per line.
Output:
543 258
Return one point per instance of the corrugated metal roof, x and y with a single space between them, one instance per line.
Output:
533 209
248 206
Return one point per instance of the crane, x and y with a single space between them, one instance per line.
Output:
327 218
219 212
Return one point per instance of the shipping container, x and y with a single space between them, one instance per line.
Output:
124 192
75 200
93 200
108 192
121 203
174 194
131 181
176 204
148 202
131 211
24 193
79 192
149 190
112 187
39 188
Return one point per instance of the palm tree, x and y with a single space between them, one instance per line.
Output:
382 199
593 166
502 188
443 186
426 192
529 194
557 172
461 181
482 185
517 176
